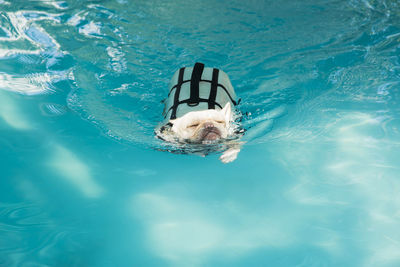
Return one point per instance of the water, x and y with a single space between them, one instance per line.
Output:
85 183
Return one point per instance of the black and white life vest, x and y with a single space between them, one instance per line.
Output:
198 88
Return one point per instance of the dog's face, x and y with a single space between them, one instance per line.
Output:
203 126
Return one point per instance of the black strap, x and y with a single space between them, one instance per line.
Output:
200 100
213 89
177 92
219 85
186 101
195 84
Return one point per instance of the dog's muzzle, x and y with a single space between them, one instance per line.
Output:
209 132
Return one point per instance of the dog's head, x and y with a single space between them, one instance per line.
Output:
203 126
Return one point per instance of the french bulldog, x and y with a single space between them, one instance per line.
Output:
198 111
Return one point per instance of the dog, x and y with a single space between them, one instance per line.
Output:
198 110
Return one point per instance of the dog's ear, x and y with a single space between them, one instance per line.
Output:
226 111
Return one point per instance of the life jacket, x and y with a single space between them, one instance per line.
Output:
198 88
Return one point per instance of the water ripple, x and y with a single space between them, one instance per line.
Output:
271 65
30 237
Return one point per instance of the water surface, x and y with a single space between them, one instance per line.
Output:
85 183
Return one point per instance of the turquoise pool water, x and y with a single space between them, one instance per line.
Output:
85 183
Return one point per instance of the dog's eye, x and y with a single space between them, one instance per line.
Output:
193 125
220 121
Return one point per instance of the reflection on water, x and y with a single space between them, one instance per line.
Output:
75 171
33 85
10 113
316 184
187 232
357 159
